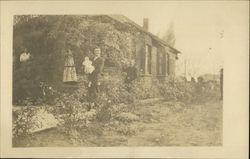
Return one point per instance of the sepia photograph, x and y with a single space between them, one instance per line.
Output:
126 75
104 80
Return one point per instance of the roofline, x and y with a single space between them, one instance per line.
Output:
150 34
164 43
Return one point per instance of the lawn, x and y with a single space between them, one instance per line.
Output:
160 123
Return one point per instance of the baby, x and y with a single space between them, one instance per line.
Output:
88 67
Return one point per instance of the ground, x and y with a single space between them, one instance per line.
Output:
161 123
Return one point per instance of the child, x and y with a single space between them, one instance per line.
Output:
88 67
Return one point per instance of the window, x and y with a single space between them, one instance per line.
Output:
164 64
161 63
168 65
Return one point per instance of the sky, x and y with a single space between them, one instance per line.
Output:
203 30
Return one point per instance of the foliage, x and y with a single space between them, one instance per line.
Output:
190 92
115 112
23 121
169 35
70 108
115 104
47 37
114 90
143 88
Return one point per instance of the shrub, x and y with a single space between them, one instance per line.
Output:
189 92
114 90
208 91
115 103
23 121
142 90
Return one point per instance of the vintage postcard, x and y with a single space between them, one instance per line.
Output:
154 79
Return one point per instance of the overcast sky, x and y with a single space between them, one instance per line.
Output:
202 30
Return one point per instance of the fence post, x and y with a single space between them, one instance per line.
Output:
221 83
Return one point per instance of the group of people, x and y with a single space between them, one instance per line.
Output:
93 69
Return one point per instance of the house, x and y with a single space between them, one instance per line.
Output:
46 37
153 56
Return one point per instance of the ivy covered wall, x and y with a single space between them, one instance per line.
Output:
47 37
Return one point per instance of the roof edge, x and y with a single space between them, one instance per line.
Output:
147 32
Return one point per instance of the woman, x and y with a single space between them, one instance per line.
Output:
69 73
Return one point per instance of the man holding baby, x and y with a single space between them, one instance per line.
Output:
94 75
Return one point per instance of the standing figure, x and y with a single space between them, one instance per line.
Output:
94 77
69 73
131 72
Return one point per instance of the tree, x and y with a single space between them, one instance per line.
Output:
169 36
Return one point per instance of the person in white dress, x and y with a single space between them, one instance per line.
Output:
25 56
69 73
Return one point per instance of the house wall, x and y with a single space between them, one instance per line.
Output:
140 53
162 60
154 61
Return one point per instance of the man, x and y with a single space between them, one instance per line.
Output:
131 72
131 75
94 77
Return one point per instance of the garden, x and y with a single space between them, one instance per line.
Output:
164 113
184 113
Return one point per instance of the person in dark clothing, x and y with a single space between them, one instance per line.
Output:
131 72
94 78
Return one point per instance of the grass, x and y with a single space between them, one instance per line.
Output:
160 123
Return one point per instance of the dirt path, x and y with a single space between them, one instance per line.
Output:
161 124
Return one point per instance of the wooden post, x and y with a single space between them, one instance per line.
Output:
221 84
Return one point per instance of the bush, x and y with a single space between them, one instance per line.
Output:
114 90
115 103
23 121
210 91
189 92
142 90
